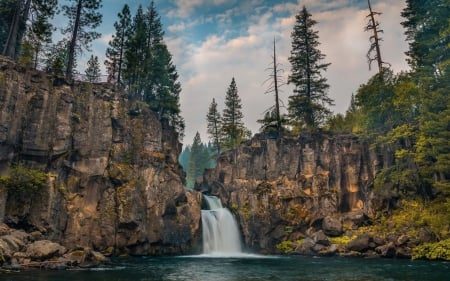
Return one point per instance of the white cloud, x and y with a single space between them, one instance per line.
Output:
207 67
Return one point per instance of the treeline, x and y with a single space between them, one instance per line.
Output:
138 60
196 158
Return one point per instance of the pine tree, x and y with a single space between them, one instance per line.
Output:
16 17
427 30
93 69
116 50
84 18
57 57
135 55
214 125
233 130
149 71
198 160
308 104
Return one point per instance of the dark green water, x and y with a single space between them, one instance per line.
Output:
248 269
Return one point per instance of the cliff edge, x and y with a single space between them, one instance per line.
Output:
113 182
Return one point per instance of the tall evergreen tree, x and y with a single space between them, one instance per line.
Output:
56 58
427 30
135 55
199 160
93 69
16 15
214 125
84 18
308 105
233 130
116 50
149 71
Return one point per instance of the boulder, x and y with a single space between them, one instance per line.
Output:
386 251
403 252
332 226
44 249
402 239
359 244
305 247
320 238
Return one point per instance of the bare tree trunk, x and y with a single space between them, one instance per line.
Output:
373 25
275 77
10 46
73 42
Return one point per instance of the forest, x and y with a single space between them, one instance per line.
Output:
406 113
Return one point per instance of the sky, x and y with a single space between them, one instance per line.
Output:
213 41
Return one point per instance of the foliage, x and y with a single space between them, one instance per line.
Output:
57 57
433 251
286 246
23 179
272 122
116 49
84 18
308 104
93 69
341 240
233 129
20 17
214 125
148 70
427 27
196 159
413 215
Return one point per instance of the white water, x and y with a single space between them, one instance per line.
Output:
220 231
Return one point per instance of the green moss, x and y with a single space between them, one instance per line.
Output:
433 251
341 240
286 246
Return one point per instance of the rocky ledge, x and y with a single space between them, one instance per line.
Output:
309 194
22 250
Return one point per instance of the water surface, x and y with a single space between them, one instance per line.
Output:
248 268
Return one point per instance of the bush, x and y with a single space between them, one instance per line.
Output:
23 179
433 251
288 246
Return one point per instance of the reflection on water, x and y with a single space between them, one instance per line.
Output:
249 268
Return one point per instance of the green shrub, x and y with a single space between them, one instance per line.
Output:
23 179
341 240
433 251
286 246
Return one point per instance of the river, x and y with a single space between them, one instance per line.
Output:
247 268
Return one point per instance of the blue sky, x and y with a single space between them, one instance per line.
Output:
214 40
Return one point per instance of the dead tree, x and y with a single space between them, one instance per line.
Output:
275 83
375 39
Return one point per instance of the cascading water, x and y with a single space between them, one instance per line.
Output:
220 230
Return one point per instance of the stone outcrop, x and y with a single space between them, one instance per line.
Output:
287 188
113 179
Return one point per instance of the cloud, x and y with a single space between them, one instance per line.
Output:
206 67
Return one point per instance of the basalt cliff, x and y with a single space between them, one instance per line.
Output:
305 194
113 182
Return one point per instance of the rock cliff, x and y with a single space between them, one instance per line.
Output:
287 188
113 179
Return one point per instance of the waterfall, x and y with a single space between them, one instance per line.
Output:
220 230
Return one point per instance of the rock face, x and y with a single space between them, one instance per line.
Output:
114 181
287 188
